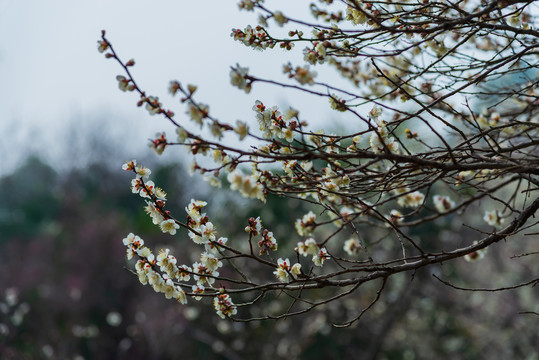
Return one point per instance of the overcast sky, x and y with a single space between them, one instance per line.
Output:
55 87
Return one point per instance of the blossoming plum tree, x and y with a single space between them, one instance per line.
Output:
445 101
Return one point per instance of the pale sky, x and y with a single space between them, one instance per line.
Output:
54 84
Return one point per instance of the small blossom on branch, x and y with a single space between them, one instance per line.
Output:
255 226
224 306
238 78
443 203
321 257
352 247
475 255
129 165
268 242
493 218
169 226
306 225
284 270
102 46
307 247
159 143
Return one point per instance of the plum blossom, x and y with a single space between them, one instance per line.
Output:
411 200
246 5
224 306
203 273
279 18
395 216
159 143
255 226
173 87
246 185
145 252
355 16
307 247
198 290
142 172
255 38
321 257
241 129
475 255
102 46
155 215
197 112
147 190
129 165
153 105
284 270
208 232
125 84
184 273
494 218
238 78
136 185
167 262
305 225
304 76
214 246
169 226
268 242
443 203
210 262
352 246
380 141
133 243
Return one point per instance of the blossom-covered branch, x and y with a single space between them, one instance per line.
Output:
445 108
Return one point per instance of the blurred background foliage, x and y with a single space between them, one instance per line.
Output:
66 293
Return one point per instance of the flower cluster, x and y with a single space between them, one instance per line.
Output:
224 306
355 144
355 15
153 105
381 142
355 179
247 185
333 181
316 54
145 188
284 271
125 84
197 112
301 74
410 199
255 226
145 268
306 225
273 124
201 231
247 5
310 247
268 242
256 38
